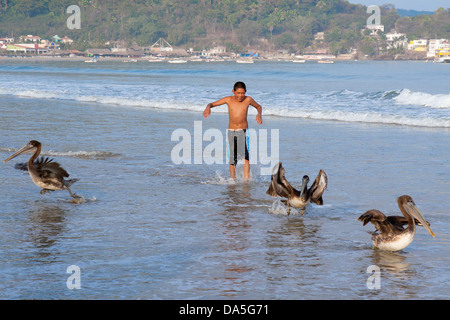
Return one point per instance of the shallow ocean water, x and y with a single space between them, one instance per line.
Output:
153 229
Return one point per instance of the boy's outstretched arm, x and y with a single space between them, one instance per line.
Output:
210 105
258 107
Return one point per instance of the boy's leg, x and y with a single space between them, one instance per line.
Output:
246 170
238 149
246 157
232 171
233 149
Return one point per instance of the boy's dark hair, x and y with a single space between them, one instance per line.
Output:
239 85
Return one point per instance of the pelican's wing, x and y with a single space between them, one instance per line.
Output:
274 181
402 221
380 221
24 166
279 186
49 169
318 187
21 166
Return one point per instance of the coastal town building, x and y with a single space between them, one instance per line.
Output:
437 49
436 46
27 48
66 40
395 39
217 50
442 55
418 45
30 38
51 45
6 40
319 36
161 46
375 28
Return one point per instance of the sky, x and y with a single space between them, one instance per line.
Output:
419 5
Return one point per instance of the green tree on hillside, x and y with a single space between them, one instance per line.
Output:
289 24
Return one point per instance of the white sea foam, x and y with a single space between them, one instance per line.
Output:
37 94
33 93
219 179
74 154
335 106
408 97
103 99
278 207
366 117
81 154
140 103
6 149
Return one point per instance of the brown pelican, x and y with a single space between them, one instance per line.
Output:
390 234
279 186
44 172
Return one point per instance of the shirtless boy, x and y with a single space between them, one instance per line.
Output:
237 111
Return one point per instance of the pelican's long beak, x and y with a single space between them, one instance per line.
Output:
414 211
305 181
25 148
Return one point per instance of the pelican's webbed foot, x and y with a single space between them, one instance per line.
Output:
44 191
73 195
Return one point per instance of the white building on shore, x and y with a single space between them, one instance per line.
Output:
396 40
435 45
30 38
374 28
6 40
161 46
418 45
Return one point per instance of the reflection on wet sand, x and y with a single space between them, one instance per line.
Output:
392 262
296 239
287 236
398 276
46 224
236 240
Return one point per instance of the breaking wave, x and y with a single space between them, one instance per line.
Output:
399 107
408 97
97 155
367 117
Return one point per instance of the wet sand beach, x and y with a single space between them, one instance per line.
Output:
154 229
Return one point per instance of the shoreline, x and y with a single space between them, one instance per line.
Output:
196 59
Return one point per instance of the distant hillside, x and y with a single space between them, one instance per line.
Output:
412 13
190 23
239 25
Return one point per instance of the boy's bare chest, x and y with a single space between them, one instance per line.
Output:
238 107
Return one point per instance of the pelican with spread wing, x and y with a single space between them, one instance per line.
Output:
44 172
279 186
390 235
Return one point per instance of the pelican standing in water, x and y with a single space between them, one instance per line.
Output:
390 234
279 186
45 173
